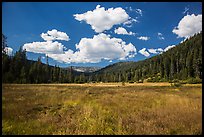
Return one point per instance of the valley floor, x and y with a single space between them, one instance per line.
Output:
103 108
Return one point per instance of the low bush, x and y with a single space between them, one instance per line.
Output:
177 84
183 82
149 80
175 80
131 82
194 81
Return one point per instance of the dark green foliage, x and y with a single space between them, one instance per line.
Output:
194 80
183 62
177 84
17 69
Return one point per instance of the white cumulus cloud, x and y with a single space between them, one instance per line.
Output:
160 50
44 47
123 31
160 36
66 57
88 50
157 50
101 19
183 40
169 47
100 47
143 38
154 51
139 11
55 35
8 50
129 22
185 10
48 47
144 52
188 26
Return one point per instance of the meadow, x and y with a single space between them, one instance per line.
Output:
98 109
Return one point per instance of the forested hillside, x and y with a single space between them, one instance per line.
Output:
183 62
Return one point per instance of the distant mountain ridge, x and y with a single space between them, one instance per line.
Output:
85 69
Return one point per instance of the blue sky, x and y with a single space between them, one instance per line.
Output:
23 23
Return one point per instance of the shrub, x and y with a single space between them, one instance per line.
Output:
149 80
175 80
178 84
175 83
183 82
162 80
154 79
194 80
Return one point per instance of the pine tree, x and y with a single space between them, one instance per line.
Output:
82 78
136 76
189 64
162 69
173 67
167 67
4 43
23 75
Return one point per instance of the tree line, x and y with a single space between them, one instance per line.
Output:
183 62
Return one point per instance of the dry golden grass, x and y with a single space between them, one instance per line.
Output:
107 84
105 108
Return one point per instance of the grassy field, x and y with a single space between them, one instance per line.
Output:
146 108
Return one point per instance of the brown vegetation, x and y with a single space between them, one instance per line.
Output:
101 109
